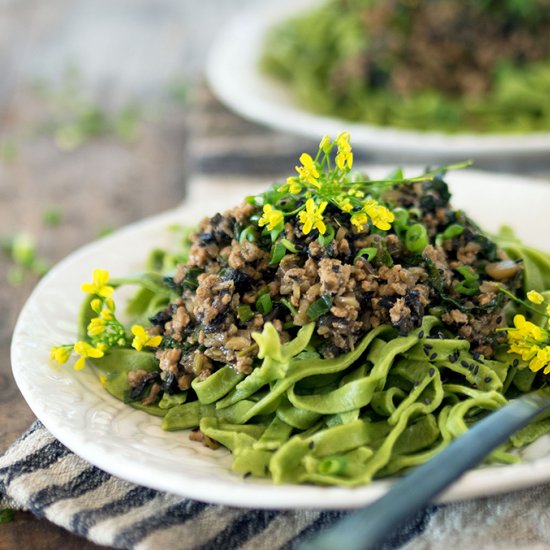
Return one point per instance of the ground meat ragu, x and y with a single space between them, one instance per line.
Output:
206 328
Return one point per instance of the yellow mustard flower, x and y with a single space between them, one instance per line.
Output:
60 354
541 360
86 350
359 220
142 338
270 217
312 217
325 144
96 326
98 286
345 204
380 216
102 379
525 338
293 186
344 157
535 297
308 171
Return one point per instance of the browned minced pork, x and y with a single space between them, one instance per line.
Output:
211 324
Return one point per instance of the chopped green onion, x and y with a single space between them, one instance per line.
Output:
416 238
264 304
328 237
334 465
244 313
454 230
370 252
248 234
289 306
278 251
289 246
319 307
401 220
470 285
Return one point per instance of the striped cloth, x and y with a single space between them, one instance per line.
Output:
40 475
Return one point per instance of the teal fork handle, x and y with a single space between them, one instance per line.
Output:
367 528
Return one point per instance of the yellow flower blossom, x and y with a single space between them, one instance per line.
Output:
271 217
548 309
60 354
525 338
345 205
535 297
98 286
325 144
541 360
293 186
96 326
312 217
142 338
86 350
102 379
344 157
359 219
308 171
380 216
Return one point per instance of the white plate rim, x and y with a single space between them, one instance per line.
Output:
84 432
233 75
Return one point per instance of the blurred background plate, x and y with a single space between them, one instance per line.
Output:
234 76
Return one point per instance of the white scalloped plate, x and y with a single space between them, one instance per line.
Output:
234 76
130 444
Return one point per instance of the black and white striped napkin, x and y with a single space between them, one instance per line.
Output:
40 475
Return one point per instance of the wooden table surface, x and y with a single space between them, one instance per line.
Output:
106 182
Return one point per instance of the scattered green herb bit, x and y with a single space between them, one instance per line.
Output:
104 231
454 230
328 237
289 306
52 217
248 234
319 307
244 313
334 465
469 286
370 252
15 276
278 252
190 280
23 249
264 304
289 246
126 124
416 238
6 515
